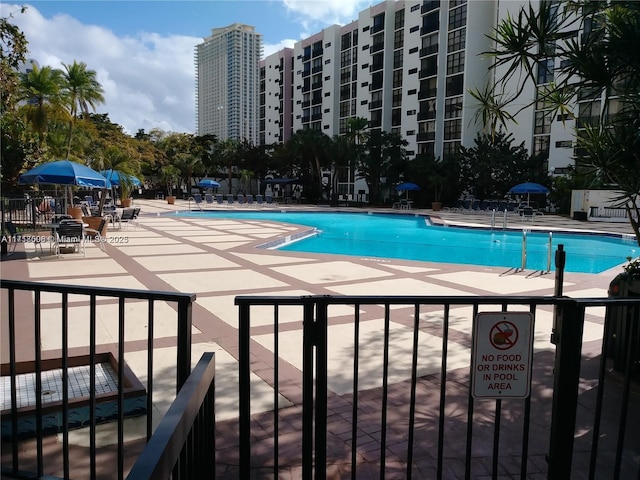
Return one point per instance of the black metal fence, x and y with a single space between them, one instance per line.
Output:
31 212
88 338
385 389
182 446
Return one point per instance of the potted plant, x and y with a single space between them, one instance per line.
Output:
126 187
627 283
170 175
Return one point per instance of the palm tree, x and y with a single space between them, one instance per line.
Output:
82 91
311 147
42 89
116 159
605 59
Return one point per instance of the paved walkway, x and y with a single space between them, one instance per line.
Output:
217 260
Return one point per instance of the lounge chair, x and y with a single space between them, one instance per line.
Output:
259 199
527 213
249 199
240 199
130 216
197 198
70 232
209 199
268 199
219 199
230 200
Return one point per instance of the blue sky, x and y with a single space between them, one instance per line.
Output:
142 51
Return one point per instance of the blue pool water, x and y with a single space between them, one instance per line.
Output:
411 238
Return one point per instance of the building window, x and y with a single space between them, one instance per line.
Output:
564 144
397 78
543 122
429 66
428 88
452 129
396 117
397 97
378 23
429 45
449 149
541 145
399 19
545 71
458 17
456 40
346 41
430 22
345 58
455 63
414 29
398 39
453 107
397 59
454 85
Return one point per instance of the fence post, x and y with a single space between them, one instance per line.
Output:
244 389
183 368
308 344
569 324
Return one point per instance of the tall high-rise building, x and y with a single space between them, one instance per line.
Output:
227 83
408 67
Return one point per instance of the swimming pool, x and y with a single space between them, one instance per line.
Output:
410 237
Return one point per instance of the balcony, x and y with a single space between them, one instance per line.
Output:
376 47
428 51
315 86
306 104
425 136
375 105
428 115
316 116
424 94
316 69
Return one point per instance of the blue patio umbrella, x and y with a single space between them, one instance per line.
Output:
64 172
528 188
208 183
406 187
116 177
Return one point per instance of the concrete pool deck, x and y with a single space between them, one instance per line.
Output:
217 260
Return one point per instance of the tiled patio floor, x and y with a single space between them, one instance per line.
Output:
217 260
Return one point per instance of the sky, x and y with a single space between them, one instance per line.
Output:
143 51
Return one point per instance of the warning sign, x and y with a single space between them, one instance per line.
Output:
502 354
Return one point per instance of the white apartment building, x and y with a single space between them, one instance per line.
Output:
227 99
407 67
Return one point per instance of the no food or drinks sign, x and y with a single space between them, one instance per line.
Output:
502 355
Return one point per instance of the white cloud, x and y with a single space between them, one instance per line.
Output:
148 79
270 49
314 15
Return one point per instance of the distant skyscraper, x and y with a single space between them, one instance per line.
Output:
227 83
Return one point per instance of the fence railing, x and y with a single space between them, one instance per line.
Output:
31 212
608 212
182 447
385 387
78 357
